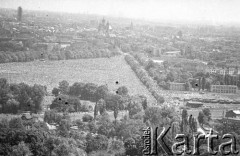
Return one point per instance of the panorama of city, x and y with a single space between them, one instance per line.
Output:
81 84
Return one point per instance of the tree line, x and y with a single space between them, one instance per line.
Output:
145 79
67 98
15 97
69 53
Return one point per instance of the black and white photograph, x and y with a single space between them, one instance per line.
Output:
119 77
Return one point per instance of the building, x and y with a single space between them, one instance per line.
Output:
19 15
222 71
194 104
173 53
232 114
224 89
177 86
211 70
231 71
238 71
231 120
158 61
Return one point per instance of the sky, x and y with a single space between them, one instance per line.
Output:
213 11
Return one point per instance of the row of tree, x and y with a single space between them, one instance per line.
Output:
68 98
64 54
143 76
20 56
161 73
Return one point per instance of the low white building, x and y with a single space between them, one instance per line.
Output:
231 71
173 53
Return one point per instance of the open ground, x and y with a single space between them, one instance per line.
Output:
99 71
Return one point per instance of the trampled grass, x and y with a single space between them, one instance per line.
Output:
100 71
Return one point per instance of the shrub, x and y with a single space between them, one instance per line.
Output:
86 107
138 116
87 118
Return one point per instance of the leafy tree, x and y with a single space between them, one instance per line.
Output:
130 146
199 83
203 83
105 124
194 125
64 128
89 92
144 104
122 90
102 106
50 144
97 143
92 127
96 108
16 123
116 147
66 103
187 86
12 106
201 117
4 123
101 92
160 116
55 92
86 107
64 149
76 89
21 150
87 118
4 90
150 64
63 87
116 112
135 106
111 100
37 94
184 115
52 117
207 113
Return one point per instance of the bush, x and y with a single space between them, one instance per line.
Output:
138 116
87 118
86 107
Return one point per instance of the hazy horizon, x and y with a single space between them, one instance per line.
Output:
211 11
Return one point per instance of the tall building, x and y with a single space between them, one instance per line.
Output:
19 15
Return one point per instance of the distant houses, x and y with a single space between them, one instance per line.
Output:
177 86
223 71
224 89
194 104
173 53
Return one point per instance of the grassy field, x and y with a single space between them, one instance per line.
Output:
100 71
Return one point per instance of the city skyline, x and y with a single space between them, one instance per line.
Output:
203 11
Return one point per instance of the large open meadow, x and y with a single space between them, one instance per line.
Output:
100 71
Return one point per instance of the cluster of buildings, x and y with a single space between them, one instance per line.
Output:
223 71
224 89
104 27
177 86
46 34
